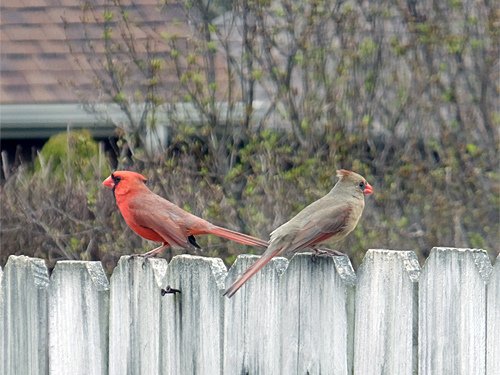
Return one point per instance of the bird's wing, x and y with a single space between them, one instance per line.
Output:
153 212
318 227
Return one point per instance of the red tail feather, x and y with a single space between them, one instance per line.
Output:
237 237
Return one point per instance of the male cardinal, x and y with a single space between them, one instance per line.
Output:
156 219
332 217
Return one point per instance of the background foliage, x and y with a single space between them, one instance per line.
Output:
404 93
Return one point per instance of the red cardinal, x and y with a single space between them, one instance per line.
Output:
157 219
332 217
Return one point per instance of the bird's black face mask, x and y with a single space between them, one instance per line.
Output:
116 181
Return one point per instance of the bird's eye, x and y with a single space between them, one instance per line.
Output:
362 185
116 179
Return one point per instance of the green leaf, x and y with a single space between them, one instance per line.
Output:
108 15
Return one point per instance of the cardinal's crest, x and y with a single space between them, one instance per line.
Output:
343 173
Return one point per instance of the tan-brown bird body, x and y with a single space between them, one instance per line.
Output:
331 217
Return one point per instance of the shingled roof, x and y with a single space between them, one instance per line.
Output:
35 35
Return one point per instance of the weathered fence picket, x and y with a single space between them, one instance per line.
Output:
3 341
316 304
309 315
78 319
452 312
386 313
134 316
252 320
191 325
24 323
493 322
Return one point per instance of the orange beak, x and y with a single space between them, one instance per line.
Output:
368 189
109 183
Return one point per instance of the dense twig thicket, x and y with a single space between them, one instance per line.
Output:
404 93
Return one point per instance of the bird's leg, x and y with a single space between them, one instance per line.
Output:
315 254
321 251
169 290
153 252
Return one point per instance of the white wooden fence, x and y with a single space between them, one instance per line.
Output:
306 316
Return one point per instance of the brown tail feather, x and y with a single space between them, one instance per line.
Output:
238 237
252 270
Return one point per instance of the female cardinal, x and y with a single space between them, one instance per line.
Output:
156 219
332 217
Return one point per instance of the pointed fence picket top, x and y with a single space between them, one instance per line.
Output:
386 313
23 327
134 315
317 297
452 312
191 323
78 319
493 322
252 319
